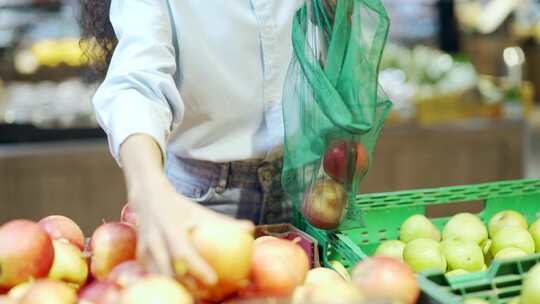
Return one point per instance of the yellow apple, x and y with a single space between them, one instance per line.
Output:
334 292
49 292
156 289
69 264
321 276
18 291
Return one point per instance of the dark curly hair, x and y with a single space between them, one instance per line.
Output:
98 38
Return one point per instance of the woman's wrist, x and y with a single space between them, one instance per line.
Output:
147 186
143 168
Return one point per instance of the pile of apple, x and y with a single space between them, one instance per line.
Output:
48 262
326 200
465 244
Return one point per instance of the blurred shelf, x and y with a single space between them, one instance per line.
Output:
61 73
19 133
42 4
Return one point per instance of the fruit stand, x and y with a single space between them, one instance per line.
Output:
502 227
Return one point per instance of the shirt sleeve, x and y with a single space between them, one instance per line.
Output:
139 93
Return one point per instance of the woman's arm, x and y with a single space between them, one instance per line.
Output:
166 218
161 238
143 165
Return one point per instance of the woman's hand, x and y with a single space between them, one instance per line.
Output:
166 218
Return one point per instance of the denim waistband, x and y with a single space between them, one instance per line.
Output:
242 174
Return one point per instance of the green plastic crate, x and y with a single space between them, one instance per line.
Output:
498 285
378 217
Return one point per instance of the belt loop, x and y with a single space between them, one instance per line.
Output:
223 178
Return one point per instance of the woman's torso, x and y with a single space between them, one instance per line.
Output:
232 59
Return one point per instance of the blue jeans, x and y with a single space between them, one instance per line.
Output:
245 189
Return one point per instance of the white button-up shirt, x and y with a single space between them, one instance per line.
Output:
204 78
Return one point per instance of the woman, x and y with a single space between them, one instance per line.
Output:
191 103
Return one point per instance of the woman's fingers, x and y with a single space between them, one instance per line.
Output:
160 252
186 258
152 251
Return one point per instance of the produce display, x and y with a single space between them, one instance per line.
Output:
50 262
465 244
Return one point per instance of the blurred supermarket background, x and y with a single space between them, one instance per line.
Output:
464 76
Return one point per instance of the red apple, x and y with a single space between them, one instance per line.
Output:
278 267
49 292
127 273
338 157
100 292
61 227
324 204
129 216
385 278
111 244
26 251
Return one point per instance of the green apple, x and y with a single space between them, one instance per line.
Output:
514 300
466 227
416 227
393 249
484 267
530 291
424 254
463 255
535 232
504 219
512 236
456 272
475 301
510 253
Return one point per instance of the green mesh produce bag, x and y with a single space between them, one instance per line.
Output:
333 107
